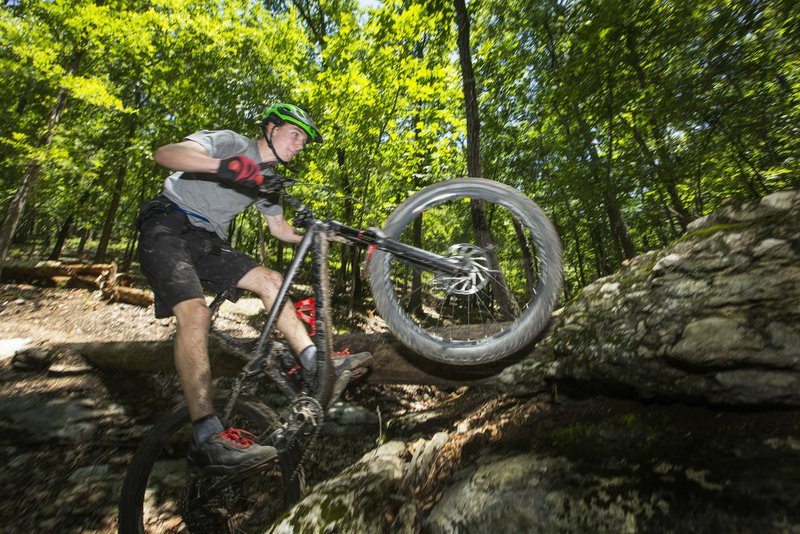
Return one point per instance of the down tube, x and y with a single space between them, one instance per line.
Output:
281 297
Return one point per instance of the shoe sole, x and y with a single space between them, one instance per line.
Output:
362 360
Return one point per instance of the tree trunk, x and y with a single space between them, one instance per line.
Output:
17 205
393 363
63 234
111 214
664 166
61 238
86 235
470 91
527 258
130 250
482 233
619 228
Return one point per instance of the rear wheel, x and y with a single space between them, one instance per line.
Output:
160 494
510 284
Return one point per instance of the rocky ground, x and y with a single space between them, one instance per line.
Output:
69 431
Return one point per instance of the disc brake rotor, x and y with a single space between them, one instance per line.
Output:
477 271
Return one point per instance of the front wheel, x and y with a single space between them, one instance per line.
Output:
503 299
160 495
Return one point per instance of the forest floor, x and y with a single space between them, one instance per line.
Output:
68 430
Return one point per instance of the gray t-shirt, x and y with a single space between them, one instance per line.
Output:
204 195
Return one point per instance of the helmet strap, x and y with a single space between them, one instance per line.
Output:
268 139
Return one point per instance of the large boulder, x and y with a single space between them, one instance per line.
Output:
713 318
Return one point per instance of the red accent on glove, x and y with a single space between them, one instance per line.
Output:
240 169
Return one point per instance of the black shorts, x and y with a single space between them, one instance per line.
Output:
180 259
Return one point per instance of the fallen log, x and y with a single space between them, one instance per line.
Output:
393 364
49 269
76 282
128 295
102 276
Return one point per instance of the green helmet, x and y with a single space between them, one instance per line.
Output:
283 113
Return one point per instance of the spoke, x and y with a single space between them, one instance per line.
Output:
460 307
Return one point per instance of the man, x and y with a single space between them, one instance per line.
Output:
182 250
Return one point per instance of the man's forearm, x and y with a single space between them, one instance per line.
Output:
182 157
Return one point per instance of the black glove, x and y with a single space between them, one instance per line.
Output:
273 182
241 170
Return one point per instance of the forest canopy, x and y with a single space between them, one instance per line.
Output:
623 120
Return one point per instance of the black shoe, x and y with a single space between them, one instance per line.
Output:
232 452
357 364
351 362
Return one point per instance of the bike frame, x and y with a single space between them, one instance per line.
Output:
316 239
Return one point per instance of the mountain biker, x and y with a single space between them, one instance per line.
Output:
182 250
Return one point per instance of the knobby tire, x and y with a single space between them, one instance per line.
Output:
432 318
158 494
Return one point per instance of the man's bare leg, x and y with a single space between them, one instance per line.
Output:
191 356
265 283
213 452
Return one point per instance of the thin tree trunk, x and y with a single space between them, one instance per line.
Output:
470 91
61 238
576 235
664 166
130 249
111 214
86 235
480 224
357 287
63 234
527 258
17 204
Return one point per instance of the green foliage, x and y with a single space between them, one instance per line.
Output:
623 120
647 114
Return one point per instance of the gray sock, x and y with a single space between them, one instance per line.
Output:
205 427
308 359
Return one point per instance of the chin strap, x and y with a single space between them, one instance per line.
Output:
268 138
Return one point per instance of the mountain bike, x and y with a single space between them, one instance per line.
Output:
464 272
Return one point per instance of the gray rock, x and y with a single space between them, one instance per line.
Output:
38 419
713 318
352 501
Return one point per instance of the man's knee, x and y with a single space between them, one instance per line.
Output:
192 314
261 281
